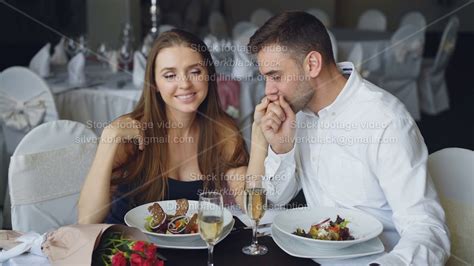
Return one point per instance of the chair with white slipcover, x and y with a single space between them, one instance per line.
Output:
46 174
260 16
434 97
414 18
25 102
402 67
321 15
217 25
356 57
452 171
333 44
373 20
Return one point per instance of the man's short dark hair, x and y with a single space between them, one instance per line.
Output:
296 31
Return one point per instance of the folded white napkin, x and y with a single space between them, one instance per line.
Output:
40 62
147 44
139 66
59 56
113 61
75 70
30 242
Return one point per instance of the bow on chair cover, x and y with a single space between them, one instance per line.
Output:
405 49
22 115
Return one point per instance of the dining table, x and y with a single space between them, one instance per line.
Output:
227 252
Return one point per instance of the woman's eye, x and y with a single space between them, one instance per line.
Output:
169 76
196 72
276 78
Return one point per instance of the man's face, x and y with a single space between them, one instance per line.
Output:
284 76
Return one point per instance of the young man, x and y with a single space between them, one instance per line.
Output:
344 141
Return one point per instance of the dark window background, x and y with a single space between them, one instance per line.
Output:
21 36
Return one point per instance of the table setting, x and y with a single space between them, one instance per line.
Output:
182 230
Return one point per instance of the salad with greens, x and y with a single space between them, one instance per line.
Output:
328 230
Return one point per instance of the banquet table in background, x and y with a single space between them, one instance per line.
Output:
104 97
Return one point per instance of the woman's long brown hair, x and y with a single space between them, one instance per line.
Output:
147 171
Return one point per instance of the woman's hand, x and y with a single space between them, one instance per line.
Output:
125 130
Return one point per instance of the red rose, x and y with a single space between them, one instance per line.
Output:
136 259
150 251
139 246
159 263
119 260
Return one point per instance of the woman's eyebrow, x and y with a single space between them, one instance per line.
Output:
188 67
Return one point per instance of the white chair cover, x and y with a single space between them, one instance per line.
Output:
372 19
402 66
222 52
260 16
434 97
139 66
241 27
40 62
356 57
218 25
452 172
321 15
25 102
46 174
333 44
414 18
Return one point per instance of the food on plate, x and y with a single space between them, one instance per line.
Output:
160 222
328 230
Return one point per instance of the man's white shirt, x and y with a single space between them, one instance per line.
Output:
364 151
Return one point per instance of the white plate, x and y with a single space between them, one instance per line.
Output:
361 225
197 244
297 249
136 218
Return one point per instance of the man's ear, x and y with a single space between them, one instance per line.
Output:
313 63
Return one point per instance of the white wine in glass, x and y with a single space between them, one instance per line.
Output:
210 228
210 220
255 201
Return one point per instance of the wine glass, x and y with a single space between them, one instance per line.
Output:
211 218
255 202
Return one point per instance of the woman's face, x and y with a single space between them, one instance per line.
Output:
181 78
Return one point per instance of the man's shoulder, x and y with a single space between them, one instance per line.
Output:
375 103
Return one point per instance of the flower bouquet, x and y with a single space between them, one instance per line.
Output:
92 244
116 250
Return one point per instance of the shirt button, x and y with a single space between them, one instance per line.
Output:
333 113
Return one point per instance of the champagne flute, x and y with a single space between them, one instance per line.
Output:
211 218
255 202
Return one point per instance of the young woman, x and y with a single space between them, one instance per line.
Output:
176 143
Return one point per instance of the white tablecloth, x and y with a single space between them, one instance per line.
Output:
104 97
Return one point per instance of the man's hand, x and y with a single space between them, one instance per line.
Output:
278 126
